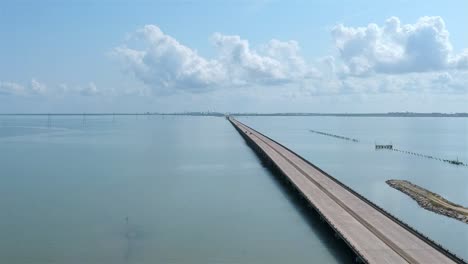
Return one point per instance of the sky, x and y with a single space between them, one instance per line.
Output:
233 56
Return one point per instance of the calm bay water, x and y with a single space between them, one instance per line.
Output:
146 190
365 170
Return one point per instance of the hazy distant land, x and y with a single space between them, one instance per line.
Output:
389 114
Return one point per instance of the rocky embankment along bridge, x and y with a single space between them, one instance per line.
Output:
374 235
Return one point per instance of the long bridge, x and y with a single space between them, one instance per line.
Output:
373 234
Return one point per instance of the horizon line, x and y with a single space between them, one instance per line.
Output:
209 113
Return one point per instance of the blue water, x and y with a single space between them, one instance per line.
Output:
365 170
146 190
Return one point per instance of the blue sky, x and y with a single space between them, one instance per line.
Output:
311 56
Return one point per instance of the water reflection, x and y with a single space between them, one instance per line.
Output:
133 235
192 190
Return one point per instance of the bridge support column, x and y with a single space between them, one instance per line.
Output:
337 236
358 260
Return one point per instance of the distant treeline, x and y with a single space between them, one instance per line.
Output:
390 114
219 114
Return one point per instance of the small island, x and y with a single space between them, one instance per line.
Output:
431 201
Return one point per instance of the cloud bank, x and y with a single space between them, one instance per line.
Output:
388 58
395 48
166 64
36 88
375 53
12 88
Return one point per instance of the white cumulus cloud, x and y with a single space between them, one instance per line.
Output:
395 48
165 64
89 90
461 60
274 63
37 87
11 88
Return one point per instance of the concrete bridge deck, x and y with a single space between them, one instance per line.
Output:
373 235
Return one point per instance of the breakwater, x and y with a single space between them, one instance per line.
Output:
454 162
391 147
333 135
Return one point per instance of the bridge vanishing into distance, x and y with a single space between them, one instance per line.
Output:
374 235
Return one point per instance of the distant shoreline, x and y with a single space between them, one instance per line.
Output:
219 114
391 114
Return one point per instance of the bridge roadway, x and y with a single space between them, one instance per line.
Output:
374 236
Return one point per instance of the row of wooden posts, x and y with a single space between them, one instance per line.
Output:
335 136
391 147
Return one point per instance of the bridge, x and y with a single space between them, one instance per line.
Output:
374 235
